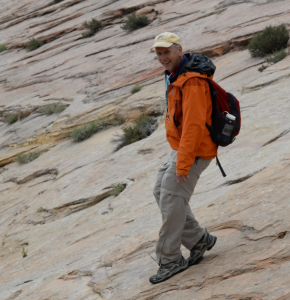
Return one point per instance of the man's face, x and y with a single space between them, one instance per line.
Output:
169 57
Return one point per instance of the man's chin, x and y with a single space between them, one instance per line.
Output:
167 68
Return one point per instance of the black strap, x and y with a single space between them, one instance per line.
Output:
220 166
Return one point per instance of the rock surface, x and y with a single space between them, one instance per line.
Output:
84 244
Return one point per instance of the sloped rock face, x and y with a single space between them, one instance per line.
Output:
83 243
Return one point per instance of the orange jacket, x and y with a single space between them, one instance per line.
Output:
189 103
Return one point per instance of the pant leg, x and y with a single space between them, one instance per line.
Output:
157 187
192 232
178 222
173 210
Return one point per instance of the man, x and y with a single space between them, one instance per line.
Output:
189 108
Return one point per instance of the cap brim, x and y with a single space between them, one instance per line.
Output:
161 44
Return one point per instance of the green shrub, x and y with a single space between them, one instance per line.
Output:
84 132
136 88
25 158
275 57
24 252
87 34
271 39
53 108
11 119
2 47
141 128
118 189
93 26
262 68
118 121
134 22
34 44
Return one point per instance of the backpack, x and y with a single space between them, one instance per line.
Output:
222 102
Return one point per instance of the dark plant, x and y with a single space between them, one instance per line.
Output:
93 26
136 88
134 22
87 34
34 44
262 68
25 158
271 39
84 132
118 189
273 59
53 108
140 129
24 252
11 119
2 47
118 121
276 57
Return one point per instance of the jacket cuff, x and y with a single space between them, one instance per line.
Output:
182 172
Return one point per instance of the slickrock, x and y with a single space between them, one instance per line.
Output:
85 244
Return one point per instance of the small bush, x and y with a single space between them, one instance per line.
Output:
262 68
27 157
136 88
34 44
24 252
84 132
87 34
93 26
142 128
134 22
11 119
2 47
118 189
271 39
273 59
118 121
54 108
276 57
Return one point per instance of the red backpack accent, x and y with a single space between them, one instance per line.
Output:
223 104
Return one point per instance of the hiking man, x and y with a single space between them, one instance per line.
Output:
189 108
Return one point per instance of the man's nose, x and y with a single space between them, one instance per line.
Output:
163 57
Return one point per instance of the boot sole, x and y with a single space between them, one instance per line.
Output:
169 276
199 258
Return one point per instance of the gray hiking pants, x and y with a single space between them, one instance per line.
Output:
179 225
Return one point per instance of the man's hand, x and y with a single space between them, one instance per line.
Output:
181 178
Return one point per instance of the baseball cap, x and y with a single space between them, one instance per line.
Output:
166 39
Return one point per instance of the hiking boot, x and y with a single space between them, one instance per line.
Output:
166 271
205 243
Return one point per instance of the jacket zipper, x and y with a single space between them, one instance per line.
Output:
174 116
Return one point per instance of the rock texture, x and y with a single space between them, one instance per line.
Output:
84 244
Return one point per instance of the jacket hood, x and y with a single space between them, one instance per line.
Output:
198 63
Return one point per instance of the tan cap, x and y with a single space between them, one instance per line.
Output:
166 39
